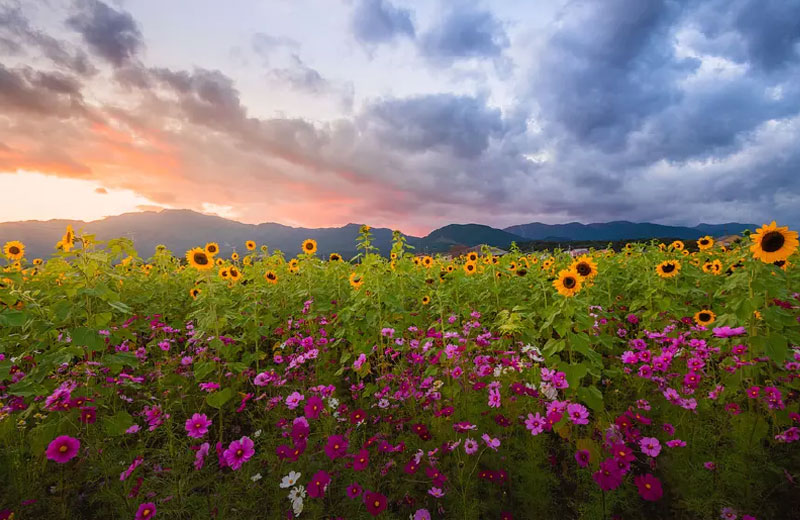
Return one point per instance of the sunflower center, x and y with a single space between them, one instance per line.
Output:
704 316
668 268
14 250
584 269
780 263
569 282
772 241
200 259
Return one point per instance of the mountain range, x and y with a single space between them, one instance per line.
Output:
181 230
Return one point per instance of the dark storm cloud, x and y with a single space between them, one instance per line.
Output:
462 124
378 21
111 34
464 32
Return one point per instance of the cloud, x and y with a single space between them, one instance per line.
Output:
111 34
462 124
17 34
464 33
45 94
378 21
266 45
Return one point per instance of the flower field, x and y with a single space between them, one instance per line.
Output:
660 381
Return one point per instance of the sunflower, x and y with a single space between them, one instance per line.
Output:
248 260
199 259
212 248
68 240
772 243
234 273
264 248
425 300
512 266
547 263
568 282
355 280
393 255
427 261
37 261
309 246
668 268
472 256
716 267
271 277
662 247
294 263
677 245
219 261
335 257
450 268
235 257
416 260
584 266
704 317
250 245
705 242
521 272
14 250
470 268
194 292
224 273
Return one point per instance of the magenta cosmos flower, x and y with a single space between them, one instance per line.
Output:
239 452
319 482
582 457
146 511
354 490
63 449
649 487
336 447
375 502
197 425
361 460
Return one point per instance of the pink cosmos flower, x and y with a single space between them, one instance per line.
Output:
470 446
649 487
336 447
319 482
728 332
63 449
135 464
578 413
200 456
209 387
133 428
493 443
676 443
650 446
239 452
146 511
197 425
535 423
293 400
422 514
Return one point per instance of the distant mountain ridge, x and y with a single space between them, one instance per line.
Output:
181 230
622 230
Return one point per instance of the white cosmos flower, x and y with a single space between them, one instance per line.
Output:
297 506
256 477
290 479
257 434
297 492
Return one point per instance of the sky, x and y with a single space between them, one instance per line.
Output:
402 114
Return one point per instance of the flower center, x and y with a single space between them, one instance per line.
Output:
63 448
239 453
668 268
770 242
569 282
584 269
200 259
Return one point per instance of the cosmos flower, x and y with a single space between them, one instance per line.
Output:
146 511
197 425
649 487
239 452
63 449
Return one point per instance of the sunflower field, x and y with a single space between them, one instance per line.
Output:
652 382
